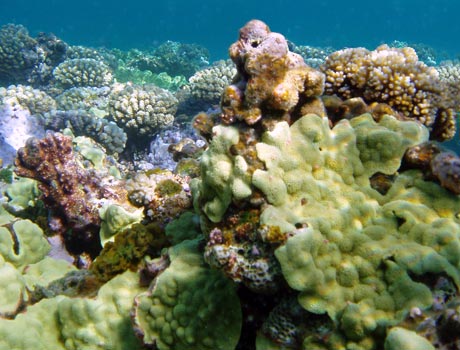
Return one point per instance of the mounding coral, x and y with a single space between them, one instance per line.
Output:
317 222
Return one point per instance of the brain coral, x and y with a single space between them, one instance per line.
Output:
142 110
394 76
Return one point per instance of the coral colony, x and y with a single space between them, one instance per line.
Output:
152 200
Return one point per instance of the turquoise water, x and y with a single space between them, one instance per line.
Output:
214 24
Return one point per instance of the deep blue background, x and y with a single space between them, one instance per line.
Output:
214 24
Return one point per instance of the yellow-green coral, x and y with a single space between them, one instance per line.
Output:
77 323
190 306
224 176
356 254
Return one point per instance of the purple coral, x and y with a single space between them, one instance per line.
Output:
72 192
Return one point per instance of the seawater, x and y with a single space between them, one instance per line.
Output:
214 24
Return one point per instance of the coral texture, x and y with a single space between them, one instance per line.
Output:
142 110
270 77
83 123
208 84
394 76
72 192
82 72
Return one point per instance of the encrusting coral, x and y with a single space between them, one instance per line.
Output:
72 192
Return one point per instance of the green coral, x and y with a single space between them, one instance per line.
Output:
22 242
22 194
125 74
189 305
400 338
115 219
223 177
358 250
77 323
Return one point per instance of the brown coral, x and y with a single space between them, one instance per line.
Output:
72 192
271 79
394 76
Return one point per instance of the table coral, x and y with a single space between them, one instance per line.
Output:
393 76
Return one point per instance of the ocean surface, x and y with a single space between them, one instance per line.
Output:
215 24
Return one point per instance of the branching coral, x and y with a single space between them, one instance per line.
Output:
393 76
142 110
83 123
208 84
27 60
18 54
82 72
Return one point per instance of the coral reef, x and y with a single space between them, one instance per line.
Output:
164 195
83 123
313 56
449 74
142 110
79 72
396 77
26 97
86 98
295 220
108 57
351 252
171 57
178 312
25 60
270 77
72 192
208 84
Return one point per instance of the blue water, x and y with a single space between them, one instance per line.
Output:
214 24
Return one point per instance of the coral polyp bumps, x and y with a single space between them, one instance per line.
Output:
318 222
